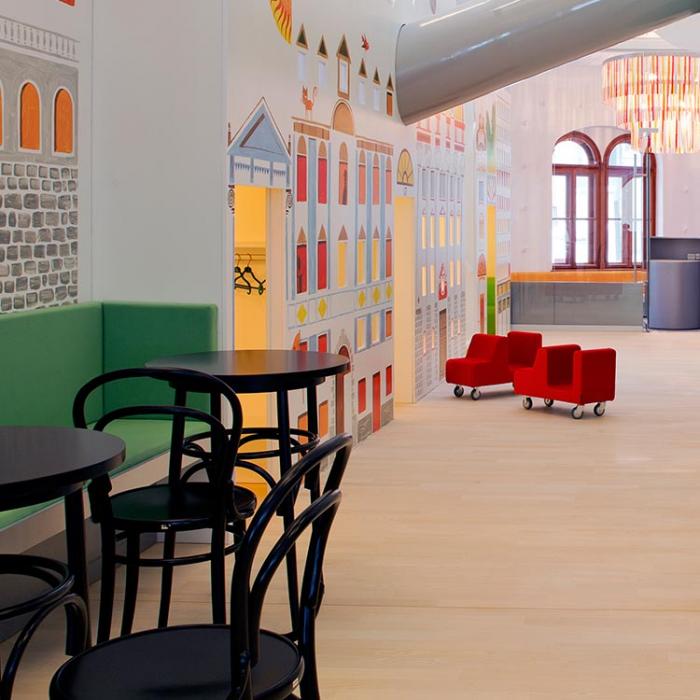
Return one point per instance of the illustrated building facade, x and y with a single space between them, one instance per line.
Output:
38 167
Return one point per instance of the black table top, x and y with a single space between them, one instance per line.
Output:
41 463
257 371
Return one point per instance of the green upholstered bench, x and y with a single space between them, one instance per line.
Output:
48 354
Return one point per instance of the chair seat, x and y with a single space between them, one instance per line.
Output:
187 663
189 507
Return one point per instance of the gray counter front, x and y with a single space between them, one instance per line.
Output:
674 294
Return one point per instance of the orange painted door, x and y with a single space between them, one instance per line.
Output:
376 401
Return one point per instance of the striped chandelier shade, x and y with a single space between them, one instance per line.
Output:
657 93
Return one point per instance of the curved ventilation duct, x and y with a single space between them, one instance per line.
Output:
488 44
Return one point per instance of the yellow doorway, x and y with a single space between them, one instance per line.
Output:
259 218
405 299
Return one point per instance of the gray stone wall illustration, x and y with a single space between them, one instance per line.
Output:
38 193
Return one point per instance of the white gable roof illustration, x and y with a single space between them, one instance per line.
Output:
258 154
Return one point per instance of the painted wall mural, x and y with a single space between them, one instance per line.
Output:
325 133
493 211
282 12
440 246
38 167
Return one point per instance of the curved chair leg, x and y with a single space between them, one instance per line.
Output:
76 614
218 575
132 581
309 689
104 626
166 580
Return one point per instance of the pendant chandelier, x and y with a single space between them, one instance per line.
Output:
657 98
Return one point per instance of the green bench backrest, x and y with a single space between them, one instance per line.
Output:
135 333
45 357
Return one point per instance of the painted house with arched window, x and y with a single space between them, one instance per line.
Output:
440 246
342 297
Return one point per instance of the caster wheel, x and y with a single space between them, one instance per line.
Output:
548 403
599 409
459 391
577 412
527 403
476 394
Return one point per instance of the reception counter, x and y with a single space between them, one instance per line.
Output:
674 284
674 294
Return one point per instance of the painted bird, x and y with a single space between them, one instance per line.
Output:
365 43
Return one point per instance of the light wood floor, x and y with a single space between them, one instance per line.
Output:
487 553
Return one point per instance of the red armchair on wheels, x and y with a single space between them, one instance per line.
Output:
563 373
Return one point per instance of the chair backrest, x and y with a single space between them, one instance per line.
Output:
523 347
248 591
483 346
182 384
558 361
594 374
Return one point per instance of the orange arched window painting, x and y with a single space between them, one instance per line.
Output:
63 122
30 117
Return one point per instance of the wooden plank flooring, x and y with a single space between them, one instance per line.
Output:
488 553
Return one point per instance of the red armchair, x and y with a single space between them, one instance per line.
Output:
567 373
491 359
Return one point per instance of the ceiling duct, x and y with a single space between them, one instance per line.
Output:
488 44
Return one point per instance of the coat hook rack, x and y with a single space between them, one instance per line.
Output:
242 279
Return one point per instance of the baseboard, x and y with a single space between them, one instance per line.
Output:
532 327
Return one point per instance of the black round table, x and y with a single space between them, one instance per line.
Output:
39 464
271 371
267 371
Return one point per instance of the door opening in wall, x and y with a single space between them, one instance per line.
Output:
258 225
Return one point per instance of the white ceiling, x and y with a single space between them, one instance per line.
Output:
683 36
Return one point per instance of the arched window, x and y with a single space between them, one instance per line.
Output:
30 117
362 179
575 181
599 207
302 172
626 207
342 272
343 175
375 255
63 122
387 180
322 260
375 179
388 254
302 263
361 257
322 174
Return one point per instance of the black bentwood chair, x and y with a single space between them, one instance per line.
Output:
56 594
237 662
176 506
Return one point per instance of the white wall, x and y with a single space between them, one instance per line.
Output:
544 109
159 216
